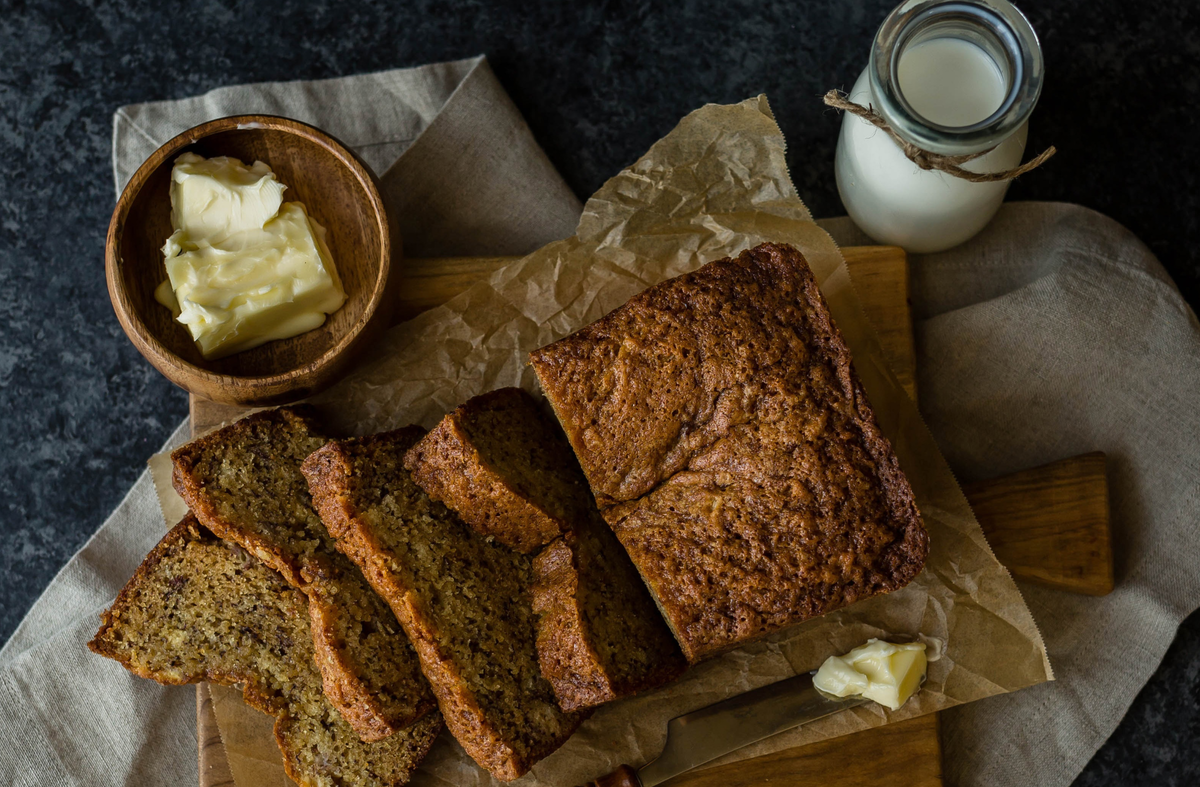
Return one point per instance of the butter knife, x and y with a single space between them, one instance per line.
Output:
706 734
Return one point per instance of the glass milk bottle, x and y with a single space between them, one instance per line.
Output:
952 78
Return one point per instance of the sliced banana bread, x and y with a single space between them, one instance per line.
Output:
490 462
243 482
463 600
199 608
505 468
729 442
600 636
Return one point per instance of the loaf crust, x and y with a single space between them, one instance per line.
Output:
523 510
199 609
733 451
244 483
463 600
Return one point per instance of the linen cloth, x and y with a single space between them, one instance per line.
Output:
1053 333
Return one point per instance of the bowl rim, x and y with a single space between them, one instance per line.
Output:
171 364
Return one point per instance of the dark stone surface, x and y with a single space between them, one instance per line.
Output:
599 83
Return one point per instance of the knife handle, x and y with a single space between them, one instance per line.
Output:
621 777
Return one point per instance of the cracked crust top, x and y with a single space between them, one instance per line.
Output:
732 449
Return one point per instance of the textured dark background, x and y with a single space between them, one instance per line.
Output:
598 82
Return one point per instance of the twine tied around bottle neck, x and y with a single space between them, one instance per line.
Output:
926 160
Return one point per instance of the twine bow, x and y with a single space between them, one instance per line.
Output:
926 160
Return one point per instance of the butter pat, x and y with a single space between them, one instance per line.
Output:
881 671
243 267
214 198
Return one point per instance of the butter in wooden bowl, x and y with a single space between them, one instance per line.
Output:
243 266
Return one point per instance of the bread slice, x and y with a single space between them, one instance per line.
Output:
732 449
506 469
600 636
491 463
243 482
463 600
202 609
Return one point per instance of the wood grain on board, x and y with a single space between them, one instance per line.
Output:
214 766
906 753
1049 524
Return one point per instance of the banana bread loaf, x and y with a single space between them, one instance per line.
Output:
202 609
243 482
463 600
506 469
732 449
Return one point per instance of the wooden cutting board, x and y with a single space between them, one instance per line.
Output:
1048 525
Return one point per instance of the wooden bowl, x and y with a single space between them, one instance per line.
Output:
338 190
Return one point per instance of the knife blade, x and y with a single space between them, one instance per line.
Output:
711 732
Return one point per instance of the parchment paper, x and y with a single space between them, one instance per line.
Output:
714 186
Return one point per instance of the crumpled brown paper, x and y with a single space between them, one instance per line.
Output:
714 186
